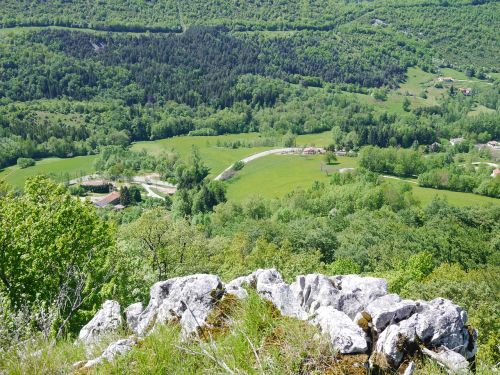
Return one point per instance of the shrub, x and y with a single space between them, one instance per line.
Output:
238 165
25 162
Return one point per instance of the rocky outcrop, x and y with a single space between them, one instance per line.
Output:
345 335
106 320
188 300
117 348
435 324
386 310
450 360
355 312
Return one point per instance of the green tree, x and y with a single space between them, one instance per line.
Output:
330 157
125 196
406 105
53 252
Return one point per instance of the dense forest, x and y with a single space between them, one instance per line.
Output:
75 92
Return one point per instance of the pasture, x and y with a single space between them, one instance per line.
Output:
56 168
275 175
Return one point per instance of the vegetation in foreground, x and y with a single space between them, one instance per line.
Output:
353 224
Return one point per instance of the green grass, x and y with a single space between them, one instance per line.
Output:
219 158
216 158
276 175
456 198
57 168
418 82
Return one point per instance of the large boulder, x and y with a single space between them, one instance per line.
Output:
114 349
132 314
349 294
438 323
358 292
107 319
270 285
386 310
188 300
313 291
443 323
345 335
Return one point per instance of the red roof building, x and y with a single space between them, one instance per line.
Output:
112 198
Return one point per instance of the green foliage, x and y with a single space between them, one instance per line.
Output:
25 162
54 253
330 157
238 165
477 291
343 266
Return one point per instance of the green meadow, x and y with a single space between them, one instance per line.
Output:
56 168
219 158
275 175
270 176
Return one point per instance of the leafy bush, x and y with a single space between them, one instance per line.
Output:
25 162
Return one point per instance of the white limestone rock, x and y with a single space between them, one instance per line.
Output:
453 362
132 314
445 324
389 309
313 291
438 323
270 285
108 319
358 292
188 299
119 347
345 335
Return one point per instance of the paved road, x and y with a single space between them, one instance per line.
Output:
250 158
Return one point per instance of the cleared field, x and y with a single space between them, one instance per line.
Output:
218 158
215 157
276 175
425 196
56 168
419 88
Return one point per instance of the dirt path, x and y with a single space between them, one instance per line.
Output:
151 193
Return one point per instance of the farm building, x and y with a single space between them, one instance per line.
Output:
112 198
313 151
445 79
494 145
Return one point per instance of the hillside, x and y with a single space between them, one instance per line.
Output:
147 146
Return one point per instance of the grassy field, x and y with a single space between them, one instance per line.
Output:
56 168
425 196
216 158
219 158
276 175
270 176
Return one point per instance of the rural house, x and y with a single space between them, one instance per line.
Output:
112 198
